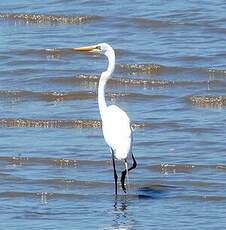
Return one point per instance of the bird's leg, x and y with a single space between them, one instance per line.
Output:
134 163
114 169
123 176
126 171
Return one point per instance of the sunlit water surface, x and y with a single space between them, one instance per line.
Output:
55 169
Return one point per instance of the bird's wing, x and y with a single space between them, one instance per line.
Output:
117 131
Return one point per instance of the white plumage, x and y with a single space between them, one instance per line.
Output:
117 131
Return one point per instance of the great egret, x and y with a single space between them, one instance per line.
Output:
116 127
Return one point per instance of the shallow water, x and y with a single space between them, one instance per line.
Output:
170 77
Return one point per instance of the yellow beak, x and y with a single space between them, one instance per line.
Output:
86 48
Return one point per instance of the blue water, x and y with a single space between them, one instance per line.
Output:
57 174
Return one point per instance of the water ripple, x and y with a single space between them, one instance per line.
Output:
77 95
41 18
81 123
205 101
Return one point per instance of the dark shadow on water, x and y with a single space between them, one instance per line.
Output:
147 192
151 192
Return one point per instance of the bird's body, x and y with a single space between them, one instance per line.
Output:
115 122
117 131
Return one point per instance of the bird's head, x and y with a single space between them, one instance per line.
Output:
102 48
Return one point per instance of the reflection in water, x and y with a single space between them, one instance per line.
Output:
123 208
122 218
121 203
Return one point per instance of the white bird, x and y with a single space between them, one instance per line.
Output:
116 127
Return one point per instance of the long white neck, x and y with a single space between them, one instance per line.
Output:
103 80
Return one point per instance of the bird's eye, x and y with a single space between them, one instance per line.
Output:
98 48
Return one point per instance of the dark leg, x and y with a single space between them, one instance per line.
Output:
124 173
123 176
114 169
